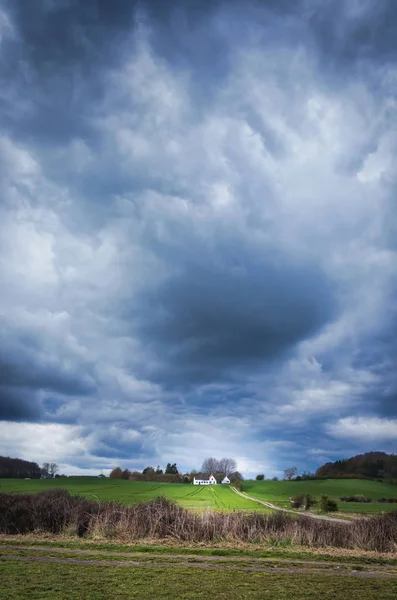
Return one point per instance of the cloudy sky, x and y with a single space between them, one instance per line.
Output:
198 225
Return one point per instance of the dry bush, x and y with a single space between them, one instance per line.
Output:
56 511
377 533
50 511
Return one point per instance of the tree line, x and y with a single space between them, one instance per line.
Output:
18 468
371 465
24 469
171 474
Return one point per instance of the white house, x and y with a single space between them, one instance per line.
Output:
226 479
210 481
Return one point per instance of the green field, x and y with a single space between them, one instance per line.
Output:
56 571
279 492
131 492
215 497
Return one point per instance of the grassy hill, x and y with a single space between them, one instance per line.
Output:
279 492
131 492
215 497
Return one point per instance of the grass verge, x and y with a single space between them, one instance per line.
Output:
22 579
169 547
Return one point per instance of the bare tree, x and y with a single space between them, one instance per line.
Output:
290 473
210 466
234 475
53 469
49 469
227 465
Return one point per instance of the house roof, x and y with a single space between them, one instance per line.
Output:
200 478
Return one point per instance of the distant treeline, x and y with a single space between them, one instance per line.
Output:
171 475
371 465
16 467
157 477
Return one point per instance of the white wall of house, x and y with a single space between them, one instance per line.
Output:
210 481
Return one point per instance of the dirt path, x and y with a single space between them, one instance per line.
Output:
195 557
294 512
201 562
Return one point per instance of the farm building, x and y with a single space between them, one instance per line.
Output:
226 479
210 481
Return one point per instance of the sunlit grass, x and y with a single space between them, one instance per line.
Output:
132 492
279 492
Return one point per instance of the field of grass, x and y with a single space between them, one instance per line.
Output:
92 572
131 492
215 497
279 492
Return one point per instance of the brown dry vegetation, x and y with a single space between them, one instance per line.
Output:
57 512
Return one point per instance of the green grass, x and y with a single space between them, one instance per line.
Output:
372 508
56 581
215 497
165 559
255 551
279 492
131 492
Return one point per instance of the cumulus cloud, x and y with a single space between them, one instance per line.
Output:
196 229
39 441
364 429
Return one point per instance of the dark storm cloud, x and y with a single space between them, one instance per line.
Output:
28 369
348 33
210 318
179 28
28 372
378 353
18 404
55 60
116 448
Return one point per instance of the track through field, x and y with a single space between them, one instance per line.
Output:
259 565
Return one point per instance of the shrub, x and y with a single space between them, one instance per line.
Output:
356 498
389 500
309 501
51 511
328 505
297 501
302 501
332 505
56 511
237 483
